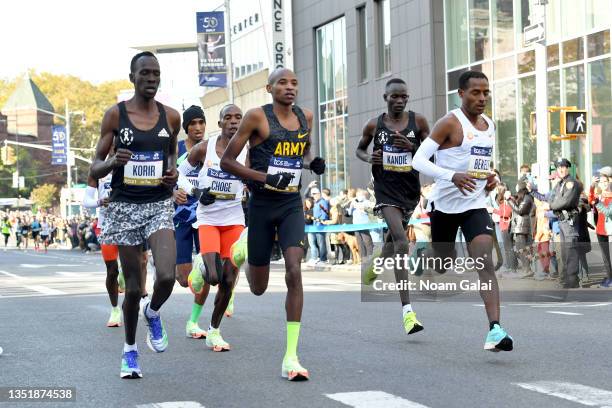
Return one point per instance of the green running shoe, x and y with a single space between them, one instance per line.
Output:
195 279
292 370
411 324
239 250
121 280
115 318
215 342
229 312
193 331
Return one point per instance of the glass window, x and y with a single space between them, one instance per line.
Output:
484 68
598 43
575 90
526 62
573 50
331 75
527 105
552 55
601 110
504 67
362 41
553 22
598 13
453 78
554 99
480 44
525 7
384 36
504 95
454 101
503 26
456 33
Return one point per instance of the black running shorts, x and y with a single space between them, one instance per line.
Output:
472 222
267 217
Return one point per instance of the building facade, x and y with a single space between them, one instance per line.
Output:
346 50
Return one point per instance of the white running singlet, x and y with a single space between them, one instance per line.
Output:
104 188
228 189
473 157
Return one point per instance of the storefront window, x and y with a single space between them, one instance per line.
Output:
574 87
598 13
552 55
554 99
600 84
332 96
480 44
573 50
503 26
456 33
505 118
526 62
598 43
572 17
504 67
527 97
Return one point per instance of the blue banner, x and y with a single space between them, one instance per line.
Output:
59 152
211 48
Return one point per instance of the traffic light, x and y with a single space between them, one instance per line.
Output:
574 122
8 155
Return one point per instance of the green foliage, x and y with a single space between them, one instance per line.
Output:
44 196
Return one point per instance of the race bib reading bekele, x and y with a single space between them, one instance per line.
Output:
223 186
286 165
480 162
144 169
396 159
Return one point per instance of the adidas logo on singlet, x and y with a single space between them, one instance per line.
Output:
163 133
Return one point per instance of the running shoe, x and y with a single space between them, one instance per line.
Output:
606 283
498 340
196 279
157 338
239 250
369 275
215 342
193 331
121 280
129 365
411 324
229 312
115 318
292 370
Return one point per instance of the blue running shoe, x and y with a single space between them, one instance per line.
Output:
129 365
157 338
606 283
498 340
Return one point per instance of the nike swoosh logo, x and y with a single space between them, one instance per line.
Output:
301 136
489 228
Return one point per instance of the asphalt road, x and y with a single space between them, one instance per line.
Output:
53 310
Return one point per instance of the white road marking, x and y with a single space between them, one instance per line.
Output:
564 313
33 266
579 393
12 275
45 290
172 404
373 399
551 297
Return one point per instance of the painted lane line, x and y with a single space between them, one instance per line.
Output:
33 266
12 275
582 394
373 399
172 404
44 290
564 313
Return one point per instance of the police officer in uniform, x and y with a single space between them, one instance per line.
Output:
564 203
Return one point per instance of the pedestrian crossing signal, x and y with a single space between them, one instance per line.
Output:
574 122
7 154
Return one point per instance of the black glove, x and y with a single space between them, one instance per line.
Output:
204 196
279 181
318 165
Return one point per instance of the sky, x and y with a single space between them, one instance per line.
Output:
90 39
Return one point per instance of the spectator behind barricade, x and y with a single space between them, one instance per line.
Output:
320 213
504 212
526 176
350 196
335 218
360 209
522 205
600 197
584 240
313 185
542 238
308 220
419 228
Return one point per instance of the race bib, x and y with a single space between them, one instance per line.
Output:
144 169
223 186
480 162
286 165
396 159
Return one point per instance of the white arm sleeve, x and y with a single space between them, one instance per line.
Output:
423 165
91 197
183 183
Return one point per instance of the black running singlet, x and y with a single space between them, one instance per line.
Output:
396 182
139 181
282 151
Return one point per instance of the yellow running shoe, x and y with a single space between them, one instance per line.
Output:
292 370
229 312
215 342
411 324
115 318
195 279
239 250
192 330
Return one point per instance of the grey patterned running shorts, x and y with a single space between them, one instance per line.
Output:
132 224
